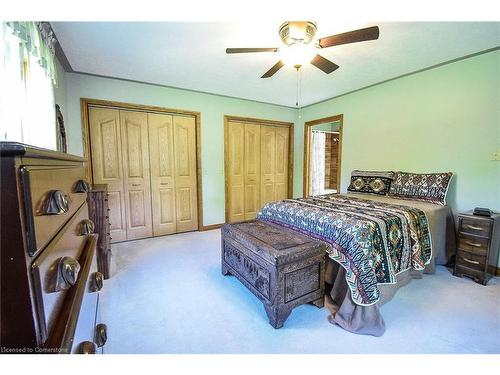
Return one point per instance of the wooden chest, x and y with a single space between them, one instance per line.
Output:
282 267
49 280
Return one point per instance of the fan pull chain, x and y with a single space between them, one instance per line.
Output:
299 85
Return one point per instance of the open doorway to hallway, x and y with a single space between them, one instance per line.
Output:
323 139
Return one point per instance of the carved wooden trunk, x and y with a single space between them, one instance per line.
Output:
282 267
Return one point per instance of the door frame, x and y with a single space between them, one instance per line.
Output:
289 125
307 148
85 103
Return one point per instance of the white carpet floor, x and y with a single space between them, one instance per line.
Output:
167 295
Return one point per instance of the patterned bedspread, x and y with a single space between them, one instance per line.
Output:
373 241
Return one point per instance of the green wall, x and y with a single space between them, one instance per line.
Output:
212 109
442 119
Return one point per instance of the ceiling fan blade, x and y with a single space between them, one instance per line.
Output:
369 33
246 50
274 69
324 64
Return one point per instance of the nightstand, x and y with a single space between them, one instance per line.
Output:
478 240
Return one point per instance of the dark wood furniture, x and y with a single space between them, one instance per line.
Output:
283 268
478 245
49 280
99 214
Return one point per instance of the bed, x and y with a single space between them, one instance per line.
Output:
377 243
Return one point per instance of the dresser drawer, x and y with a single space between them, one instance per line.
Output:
56 269
472 261
37 183
478 227
476 245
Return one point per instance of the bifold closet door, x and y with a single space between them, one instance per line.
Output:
234 159
161 156
275 142
268 164
251 170
136 178
281 177
107 168
185 174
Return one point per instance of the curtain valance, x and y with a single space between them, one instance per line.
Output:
38 40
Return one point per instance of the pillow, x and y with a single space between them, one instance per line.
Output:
428 187
373 182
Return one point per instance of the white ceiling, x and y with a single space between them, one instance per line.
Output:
192 55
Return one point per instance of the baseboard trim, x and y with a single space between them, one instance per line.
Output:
211 227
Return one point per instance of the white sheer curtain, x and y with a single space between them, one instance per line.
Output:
317 167
27 75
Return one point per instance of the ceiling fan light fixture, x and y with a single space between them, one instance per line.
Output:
292 32
297 54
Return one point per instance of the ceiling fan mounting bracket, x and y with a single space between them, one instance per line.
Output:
292 32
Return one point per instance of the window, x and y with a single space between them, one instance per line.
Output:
27 112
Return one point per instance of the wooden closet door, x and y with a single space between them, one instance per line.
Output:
281 177
235 169
107 168
161 157
267 164
185 173
135 150
252 170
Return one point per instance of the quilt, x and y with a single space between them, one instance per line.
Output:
372 241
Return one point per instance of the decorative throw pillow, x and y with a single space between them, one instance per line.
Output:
429 187
373 182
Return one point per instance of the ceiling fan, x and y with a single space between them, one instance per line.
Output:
297 37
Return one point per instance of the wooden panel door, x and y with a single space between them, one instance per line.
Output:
235 169
267 164
252 171
161 157
281 176
135 150
107 168
186 200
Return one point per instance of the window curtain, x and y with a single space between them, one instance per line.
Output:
38 42
28 74
317 167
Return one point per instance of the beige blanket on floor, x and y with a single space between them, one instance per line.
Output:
367 319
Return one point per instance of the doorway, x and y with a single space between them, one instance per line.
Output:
322 155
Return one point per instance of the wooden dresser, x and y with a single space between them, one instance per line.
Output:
478 245
50 284
99 214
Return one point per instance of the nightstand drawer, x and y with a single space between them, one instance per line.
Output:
477 227
476 245
473 261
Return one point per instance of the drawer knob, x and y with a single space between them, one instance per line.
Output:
86 227
57 203
97 281
101 334
87 347
67 273
473 227
470 261
82 186
473 244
